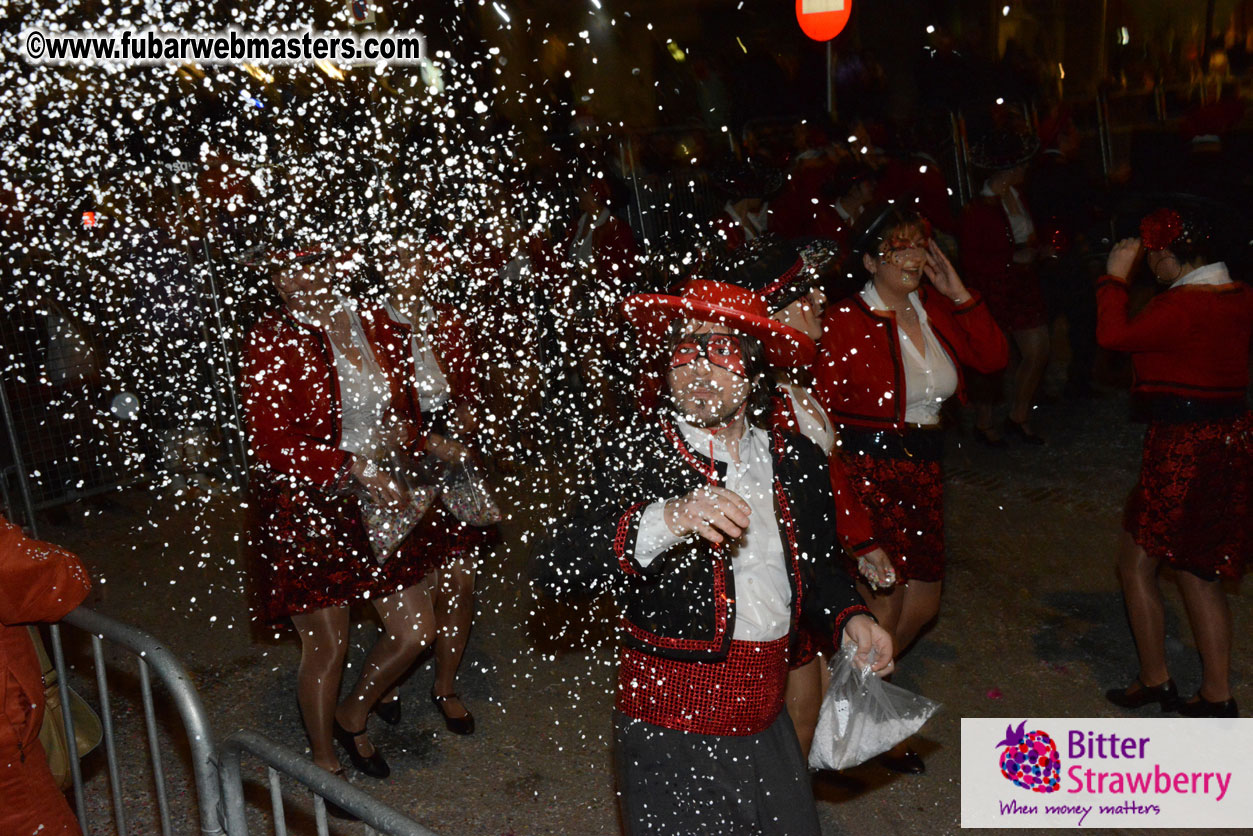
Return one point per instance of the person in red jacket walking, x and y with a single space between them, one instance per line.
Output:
888 359
329 395
1191 508
38 582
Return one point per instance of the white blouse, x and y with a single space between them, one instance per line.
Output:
930 375
1020 223
364 393
811 418
431 382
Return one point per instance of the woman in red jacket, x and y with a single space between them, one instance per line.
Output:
889 357
328 394
38 582
1191 507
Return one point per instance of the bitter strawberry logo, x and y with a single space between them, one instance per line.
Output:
1030 759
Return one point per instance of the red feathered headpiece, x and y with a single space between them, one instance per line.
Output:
1160 229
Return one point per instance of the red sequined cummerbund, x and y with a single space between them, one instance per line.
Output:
739 695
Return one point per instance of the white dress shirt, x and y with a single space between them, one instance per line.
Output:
763 595
752 223
431 383
582 249
930 376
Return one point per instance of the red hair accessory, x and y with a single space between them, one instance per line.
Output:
1161 229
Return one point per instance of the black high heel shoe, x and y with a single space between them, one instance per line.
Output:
1137 695
456 725
374 766
389 712
1023 432
1201 707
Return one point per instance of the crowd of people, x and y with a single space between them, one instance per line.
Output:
768 485
752 429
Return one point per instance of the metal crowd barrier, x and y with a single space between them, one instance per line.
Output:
216 771
150 655
326 787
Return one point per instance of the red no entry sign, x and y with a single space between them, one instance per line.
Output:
822 20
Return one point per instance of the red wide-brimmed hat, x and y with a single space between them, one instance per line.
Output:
725 304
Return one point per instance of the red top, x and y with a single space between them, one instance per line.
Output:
1191 341
38 582
852 522
987 242
859 376
291 393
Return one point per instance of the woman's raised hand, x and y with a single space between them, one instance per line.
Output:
1122 258
943 276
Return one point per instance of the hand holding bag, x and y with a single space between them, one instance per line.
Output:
467 498
387 526
863 716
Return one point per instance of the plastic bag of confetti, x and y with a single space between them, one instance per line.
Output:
388 526
863 716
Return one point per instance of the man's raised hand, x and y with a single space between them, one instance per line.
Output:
715 513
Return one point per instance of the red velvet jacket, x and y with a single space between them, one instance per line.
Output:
291 394
987 242
1190 341
852 522
859 375
613 248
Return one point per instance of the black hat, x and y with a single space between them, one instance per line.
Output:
1003 148
781 271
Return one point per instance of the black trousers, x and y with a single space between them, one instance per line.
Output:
673 783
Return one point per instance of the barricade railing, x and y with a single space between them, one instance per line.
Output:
150 657
326 788
216 772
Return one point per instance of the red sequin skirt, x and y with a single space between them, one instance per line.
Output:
905 500
740 695
1192 506
309 550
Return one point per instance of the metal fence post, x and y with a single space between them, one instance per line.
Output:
19 466
191 710
1103 132
325 786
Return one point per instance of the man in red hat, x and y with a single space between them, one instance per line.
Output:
717 537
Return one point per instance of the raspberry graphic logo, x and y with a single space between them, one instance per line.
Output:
1030 759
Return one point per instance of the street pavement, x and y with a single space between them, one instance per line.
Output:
1031 625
